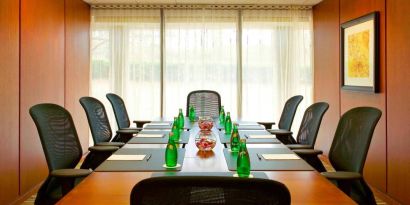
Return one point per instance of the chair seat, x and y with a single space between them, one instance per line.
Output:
308 152
129 130
103 148
141 123
339 175
299 146
70 173
117 144
280 132
268 125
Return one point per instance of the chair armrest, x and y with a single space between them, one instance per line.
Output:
140 123
129 131
103 148
299 146
280 132
70 173
342 175
268 125
307 152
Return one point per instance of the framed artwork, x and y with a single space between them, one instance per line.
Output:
359 55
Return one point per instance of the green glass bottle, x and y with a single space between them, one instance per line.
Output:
171 152
175 122
235 139
191 114
176 132
222 116
228 123
243 164
180 119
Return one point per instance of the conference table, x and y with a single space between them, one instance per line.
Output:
105 186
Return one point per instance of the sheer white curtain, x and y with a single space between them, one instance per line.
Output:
125 59
200 53
277 56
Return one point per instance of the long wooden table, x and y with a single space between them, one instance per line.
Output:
306 187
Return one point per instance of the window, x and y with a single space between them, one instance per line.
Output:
202 49
277 62
201 54
126 59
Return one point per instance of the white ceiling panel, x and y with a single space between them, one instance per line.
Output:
238 2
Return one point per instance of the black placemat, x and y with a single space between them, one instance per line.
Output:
184 138
268 165
226 138
154 164
260 175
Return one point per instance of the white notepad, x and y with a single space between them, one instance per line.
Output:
248 124
159 130
159 124
150 135
261 136
127 157
279 156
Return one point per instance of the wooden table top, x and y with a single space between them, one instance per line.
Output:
306 187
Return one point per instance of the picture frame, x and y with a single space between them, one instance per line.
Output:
359 53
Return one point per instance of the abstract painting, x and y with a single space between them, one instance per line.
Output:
360 53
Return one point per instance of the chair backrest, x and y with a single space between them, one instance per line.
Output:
205 102
209 190
97 119
352 139
58 136
289 111
120 111
309 127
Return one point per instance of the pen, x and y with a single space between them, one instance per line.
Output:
149 157
259 157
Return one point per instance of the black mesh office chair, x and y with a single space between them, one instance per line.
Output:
121 114
286 119
181 190
99 124
63 151
348 153
309 127
205 102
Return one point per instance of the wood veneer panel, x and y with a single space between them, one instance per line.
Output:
9 104
398 97
77 77
42 78
327 74
375 168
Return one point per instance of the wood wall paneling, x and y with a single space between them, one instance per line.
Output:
375 168
398 97
42 78
77 19
9 92
326 75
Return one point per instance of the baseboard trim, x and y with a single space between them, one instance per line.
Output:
27 195
385 197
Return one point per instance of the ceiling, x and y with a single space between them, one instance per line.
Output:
236 2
